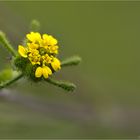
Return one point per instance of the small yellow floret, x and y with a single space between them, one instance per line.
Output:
49 40
34 37
45 71
32 46
38 72
53 49
56 64
22 51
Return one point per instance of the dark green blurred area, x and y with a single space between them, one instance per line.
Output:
106 102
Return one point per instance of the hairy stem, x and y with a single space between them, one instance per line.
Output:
4 41
5 84
63 84
74 60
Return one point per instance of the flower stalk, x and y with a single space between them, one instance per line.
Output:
8 83
4 41
63 84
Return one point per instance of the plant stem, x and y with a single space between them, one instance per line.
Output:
74 60
63 84
4 85
4 41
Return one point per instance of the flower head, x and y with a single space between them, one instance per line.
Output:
37 59
40 52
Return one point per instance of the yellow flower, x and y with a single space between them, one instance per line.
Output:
33 37
34 56
45 71
22 51
53 49
46 59
56 64
32 46
41 51
49 40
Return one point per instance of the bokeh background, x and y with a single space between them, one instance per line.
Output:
106 103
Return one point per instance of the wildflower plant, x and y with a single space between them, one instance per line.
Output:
37 59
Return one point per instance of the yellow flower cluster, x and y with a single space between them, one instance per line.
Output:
41 51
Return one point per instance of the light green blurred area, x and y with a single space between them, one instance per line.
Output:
106 102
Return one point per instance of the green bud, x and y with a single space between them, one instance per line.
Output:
5 75
35 25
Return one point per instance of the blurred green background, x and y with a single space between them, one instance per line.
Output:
106 103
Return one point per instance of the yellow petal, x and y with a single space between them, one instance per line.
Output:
32 45
52 41
30 37
56 64
33 36
46 71
22 51
54 49
48 39
45 36
38 36
45 39
49 70
38 72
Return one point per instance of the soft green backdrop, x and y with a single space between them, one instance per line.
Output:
106 103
